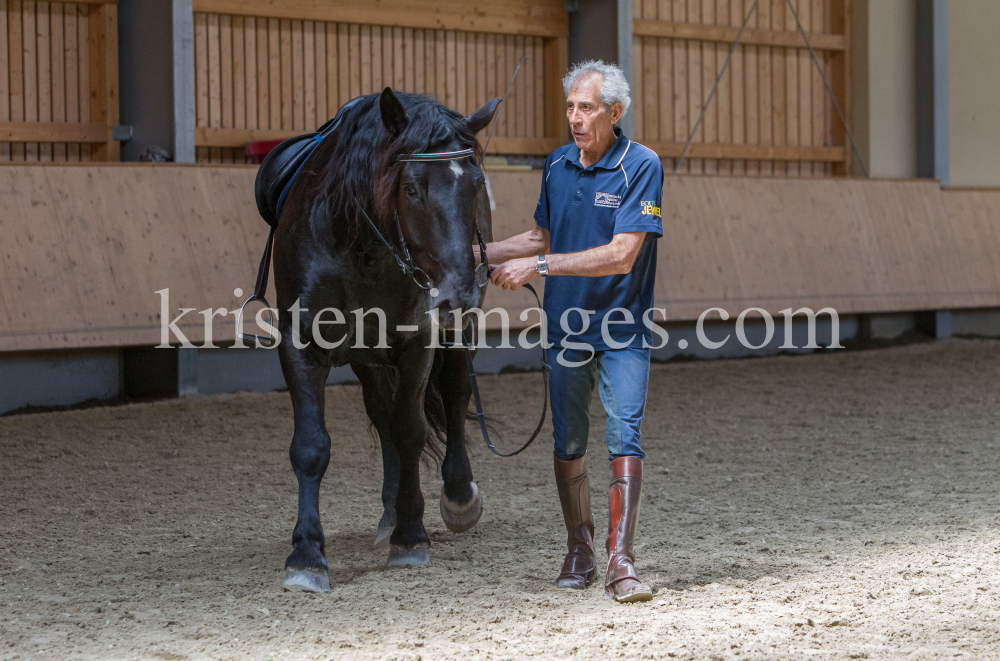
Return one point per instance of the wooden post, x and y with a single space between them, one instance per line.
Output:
103 51
840 65
556 65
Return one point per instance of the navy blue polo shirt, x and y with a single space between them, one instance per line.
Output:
584 208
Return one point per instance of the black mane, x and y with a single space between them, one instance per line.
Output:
362 168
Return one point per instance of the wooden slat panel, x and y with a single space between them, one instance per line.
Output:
103 87
303 71
725 34
724 126
239 83
840 79
376 61
738 82
83 88
759 152
4 77
284 56
49 61
219 137
262 70
274 72
29 38
320 113
398 61
226 70
544 18
709 72
752 78
792 100
44 45
556 65
72 65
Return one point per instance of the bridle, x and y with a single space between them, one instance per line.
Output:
482 275
405 260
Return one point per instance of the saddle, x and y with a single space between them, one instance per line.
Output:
277 172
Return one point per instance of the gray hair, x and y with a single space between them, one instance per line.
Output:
614 86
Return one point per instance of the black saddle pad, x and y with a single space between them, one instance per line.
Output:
276 173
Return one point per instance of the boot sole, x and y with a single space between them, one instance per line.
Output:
633 598
587 580
643 593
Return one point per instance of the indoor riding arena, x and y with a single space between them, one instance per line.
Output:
822 420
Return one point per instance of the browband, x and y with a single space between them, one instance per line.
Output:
436 156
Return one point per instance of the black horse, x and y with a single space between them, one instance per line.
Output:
328 253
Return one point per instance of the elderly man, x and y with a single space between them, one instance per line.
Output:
597 221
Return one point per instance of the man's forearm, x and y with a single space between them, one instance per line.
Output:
614 258
527 244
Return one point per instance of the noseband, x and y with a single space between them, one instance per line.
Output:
405 261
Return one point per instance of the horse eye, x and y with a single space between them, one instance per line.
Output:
410 189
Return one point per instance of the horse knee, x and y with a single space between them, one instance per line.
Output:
310 454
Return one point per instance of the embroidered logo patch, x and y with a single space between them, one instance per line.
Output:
648 209
609 200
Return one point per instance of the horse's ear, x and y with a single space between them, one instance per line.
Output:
480 119
393 114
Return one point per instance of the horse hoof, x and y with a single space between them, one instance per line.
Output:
400 556
307 580
460 518
382 536
385 527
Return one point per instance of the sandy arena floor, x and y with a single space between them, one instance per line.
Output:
830 506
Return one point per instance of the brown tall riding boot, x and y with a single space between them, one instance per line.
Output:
580 565
623 519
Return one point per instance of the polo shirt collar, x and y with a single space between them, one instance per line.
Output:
610 160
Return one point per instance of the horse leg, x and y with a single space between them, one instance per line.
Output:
377 387
408 544
306 567
461 502
390 489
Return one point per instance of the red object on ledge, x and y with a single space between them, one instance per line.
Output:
257 150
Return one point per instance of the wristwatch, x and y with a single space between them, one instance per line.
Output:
542 267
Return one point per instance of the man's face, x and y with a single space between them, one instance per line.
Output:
591 124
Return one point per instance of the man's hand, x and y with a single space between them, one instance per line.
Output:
516 272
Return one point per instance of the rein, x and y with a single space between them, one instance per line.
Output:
423 281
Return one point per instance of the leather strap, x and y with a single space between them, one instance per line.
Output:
481 416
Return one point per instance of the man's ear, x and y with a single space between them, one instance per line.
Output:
480 119
394 117
616 112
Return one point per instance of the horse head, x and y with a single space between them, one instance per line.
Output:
440 204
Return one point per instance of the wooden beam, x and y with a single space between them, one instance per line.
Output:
218 137
527 146
556 66
92 132
540 18
230 137
103 56
752 152
840 79
726 34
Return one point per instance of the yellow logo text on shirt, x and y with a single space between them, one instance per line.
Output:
649 210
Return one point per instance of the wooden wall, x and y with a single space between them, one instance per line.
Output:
263 75
87 247
771 115
58 81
